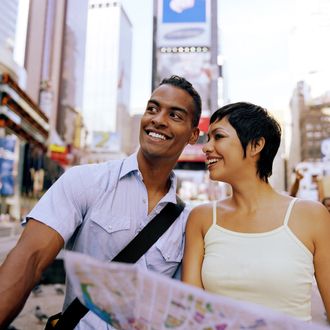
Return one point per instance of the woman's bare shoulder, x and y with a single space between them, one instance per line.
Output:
201 210
313 213
201 216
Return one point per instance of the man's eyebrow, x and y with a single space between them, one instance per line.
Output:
172 108
154 101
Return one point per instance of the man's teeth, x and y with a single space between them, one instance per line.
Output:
157 136
211 161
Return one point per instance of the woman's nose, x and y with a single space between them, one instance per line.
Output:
207 147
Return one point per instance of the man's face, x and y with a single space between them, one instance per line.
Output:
166 126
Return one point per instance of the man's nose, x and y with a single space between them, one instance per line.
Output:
160 119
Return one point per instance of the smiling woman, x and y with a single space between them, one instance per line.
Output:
256 245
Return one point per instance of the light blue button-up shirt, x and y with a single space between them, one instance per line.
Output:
108 203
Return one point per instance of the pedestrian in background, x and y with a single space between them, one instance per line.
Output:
109 203
257 245
326 202
296 183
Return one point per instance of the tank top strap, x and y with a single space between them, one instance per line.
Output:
288 212
214 212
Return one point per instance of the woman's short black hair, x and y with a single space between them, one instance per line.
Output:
251 123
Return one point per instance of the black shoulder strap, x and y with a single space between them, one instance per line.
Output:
140 244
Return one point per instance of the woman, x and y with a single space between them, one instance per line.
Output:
257 245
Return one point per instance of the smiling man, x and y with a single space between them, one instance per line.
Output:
98 209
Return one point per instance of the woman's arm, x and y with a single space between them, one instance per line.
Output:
322 255
194 248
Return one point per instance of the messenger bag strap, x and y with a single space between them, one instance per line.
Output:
140 244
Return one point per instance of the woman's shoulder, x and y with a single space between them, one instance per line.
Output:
309 207
201 214
201 210
313 214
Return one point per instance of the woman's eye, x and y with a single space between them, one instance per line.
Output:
218 136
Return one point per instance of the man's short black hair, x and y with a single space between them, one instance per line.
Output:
251 123
184 84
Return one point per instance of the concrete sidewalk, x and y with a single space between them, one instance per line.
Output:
48 300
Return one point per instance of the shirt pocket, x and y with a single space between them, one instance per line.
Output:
171 245
111 224
108 234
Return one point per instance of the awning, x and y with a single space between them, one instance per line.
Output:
20 114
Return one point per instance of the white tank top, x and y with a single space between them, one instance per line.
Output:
273 268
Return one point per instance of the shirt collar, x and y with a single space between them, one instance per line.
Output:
130 164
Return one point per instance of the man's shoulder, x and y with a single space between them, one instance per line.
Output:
94 174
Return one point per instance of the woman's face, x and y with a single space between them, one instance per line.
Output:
224 152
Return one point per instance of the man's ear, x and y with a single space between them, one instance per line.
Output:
256 146
194 136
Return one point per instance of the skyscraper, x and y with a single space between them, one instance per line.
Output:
107 74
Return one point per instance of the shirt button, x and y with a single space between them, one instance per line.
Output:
168 258
109 227
144 201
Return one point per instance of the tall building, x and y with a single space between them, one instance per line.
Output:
9 11
55 62
12 38
107 75
22 123
41 115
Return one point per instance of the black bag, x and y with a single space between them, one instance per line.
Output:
130 254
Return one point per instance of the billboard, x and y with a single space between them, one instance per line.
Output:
195 67
183 23
106 141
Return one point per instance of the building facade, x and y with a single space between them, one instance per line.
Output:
107 76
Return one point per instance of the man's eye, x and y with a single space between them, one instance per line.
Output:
151 109
176 115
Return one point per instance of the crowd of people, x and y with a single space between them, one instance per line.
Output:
256 245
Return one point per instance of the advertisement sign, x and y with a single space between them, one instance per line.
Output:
7 157
195 67
183 23
106 141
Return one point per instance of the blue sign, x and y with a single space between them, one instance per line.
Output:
7 183
181 12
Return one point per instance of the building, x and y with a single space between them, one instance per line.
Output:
54 62
22 122
32 80
107 76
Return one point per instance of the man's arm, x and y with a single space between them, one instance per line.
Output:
24 265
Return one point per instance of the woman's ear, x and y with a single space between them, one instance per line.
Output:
256 146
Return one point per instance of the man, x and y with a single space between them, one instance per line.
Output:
110 203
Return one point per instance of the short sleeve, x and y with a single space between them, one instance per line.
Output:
63 206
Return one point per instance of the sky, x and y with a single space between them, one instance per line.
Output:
267 46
